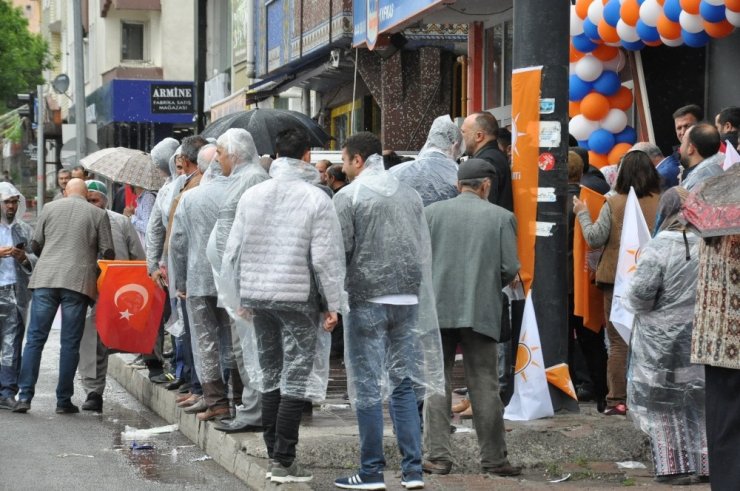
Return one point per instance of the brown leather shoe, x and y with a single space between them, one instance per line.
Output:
505 470
431 467
183 397
461 406
199 407
189 401
214 413
467 414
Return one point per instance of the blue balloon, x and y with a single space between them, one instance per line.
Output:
672 9
608 83
627 135
591 30
583 144
712 13
601 141
611 12
583 44
577 88
647 33
695 39
640 2
636 46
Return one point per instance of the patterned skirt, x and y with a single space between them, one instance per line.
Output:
678 439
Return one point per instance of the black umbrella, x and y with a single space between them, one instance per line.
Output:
265 124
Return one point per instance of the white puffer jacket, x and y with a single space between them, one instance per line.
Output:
285 230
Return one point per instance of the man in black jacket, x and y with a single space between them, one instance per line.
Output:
479 132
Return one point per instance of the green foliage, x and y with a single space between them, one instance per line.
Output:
13 131
23 55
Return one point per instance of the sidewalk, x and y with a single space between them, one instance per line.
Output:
586 446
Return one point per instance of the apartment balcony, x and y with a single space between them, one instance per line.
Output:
107 5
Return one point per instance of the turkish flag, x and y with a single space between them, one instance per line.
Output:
129 308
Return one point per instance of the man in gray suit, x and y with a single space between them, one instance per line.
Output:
474 256
70 236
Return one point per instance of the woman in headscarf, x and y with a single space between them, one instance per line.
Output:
665 392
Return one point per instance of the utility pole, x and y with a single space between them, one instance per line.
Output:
40 157
199 70
80 104
541 34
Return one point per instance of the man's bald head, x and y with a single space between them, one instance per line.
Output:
76 187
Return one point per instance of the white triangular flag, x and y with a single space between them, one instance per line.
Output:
635 234
531 399
731 156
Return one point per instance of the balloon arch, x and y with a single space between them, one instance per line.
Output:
598 29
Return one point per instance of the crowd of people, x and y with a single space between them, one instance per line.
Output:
265 260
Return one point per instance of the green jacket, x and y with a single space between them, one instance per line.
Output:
474 255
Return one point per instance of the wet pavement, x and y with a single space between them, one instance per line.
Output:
43 450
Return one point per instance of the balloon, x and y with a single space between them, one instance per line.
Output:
672 42
650 10
733 5
690 6
718 29
597 159
574 108
611 12
576 23
607 32
617 63
574 54
627 32
605 53
627 135
636 46
615 121
594 106
733 17
582 8
591 30
589 68
608 83
577 88
581 128
647 33
617 152
690 23
653 43
715 2
672 9
711 13
622 99
667 28
583 144
630 12
583 44
595 11
695 39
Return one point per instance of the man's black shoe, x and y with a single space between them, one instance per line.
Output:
94 402
70 409
184 388
162 378
175 384
7 403
22 406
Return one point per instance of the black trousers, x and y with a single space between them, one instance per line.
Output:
723 427
586 350
281 417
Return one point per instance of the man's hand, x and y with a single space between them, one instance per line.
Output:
129 211
6 251
246 314
19 255
330 321
578 205
159 279
182 295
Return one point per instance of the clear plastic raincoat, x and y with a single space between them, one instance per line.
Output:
434 172
283 265
389 259
156 228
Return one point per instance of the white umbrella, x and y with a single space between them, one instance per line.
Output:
126 166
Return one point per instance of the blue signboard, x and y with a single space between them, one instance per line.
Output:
143 101
374 17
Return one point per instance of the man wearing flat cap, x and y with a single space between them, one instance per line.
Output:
474 256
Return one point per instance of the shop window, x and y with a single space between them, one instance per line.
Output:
499 41
132 41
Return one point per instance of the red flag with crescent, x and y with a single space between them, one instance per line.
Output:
129 307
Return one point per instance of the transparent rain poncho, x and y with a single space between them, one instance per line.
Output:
665 392
283 265
156 228
388 249
434 172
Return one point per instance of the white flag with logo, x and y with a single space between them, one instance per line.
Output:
531 399
635 234
731 156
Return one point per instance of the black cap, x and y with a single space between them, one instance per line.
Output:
476 169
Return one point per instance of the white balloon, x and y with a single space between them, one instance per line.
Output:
571 68
581 128
596 12
615 121
692 23
733 17
589 68
650 11
617 63
672 42
627 32
576 23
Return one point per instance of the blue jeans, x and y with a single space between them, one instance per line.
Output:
11 341
379 346
44 307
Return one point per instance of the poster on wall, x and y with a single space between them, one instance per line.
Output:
239 30
374 17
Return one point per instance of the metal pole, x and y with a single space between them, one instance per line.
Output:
80 104
40 161
541 29
199 70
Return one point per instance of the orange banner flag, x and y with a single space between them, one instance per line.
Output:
129 308
587 298
525 143
559 376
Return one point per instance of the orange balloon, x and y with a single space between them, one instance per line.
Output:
718 29
574 108
582 8
595 106
667 28
605 53
690 6
733 5
660 2
622 99
598 160
608 33
575 55
653 43
617 152
630 12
